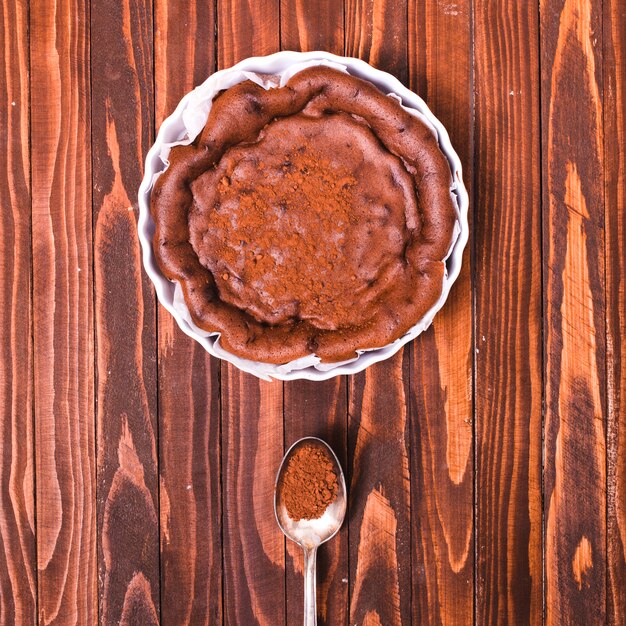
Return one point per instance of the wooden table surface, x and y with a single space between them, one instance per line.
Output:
486 462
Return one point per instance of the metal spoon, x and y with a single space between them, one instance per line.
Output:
310 534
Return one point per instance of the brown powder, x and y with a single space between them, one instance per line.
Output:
257 231
309 483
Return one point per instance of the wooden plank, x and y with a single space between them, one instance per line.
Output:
189 411
252 410
306 26
254 549
184 50
575 455
18 574
379 503
378 462
508 351
442 468
377 31
127 473
189 407
317 409
246 29
614 52
63 312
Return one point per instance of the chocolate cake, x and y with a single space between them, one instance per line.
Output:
310 218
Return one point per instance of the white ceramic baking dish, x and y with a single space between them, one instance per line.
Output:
185 124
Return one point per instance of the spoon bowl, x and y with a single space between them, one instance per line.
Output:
311 533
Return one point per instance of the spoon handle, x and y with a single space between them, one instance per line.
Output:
310 600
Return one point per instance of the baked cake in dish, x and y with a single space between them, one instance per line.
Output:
309 218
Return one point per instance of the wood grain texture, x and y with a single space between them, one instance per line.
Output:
184 50
246 28
376 31
63 312
189 410
189 403
18 574
252 410
614 92
127 499
254 547
125 516
575 466
379 494
442 467
307 25
508 357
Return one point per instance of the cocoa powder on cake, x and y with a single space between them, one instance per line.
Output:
256 243
309 483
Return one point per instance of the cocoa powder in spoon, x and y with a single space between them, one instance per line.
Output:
309 484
